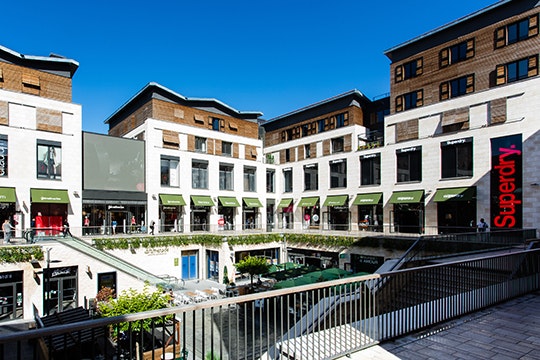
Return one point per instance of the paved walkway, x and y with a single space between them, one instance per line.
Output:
507 331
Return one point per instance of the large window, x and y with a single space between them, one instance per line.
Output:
170 171
370 169
287 155
408 70
320 125
517 70
3 156
409 164
250 183
311 177
457 158
517 31
456 53
200 144
226 177
410 100
287 180
49 160
338 145
216 124
307 151
338 173
340 120
270 181
456 87
199 174
226 148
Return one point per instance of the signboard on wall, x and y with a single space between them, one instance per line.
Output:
507 182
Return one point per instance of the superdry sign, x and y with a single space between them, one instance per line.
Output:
506 182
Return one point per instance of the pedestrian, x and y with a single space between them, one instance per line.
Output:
114 223
7 228
152 225
66 229
133 224
482 225
86 224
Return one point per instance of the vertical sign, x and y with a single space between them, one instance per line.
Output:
506 182
3 157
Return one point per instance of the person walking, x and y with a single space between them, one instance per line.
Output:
86 225
482 225
152 225
66 229
7 228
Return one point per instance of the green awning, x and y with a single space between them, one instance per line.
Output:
308 201
202 200
49 196
172 200
252 202
284 203
228 201
336 200
7 195
455 194
406 197
367 199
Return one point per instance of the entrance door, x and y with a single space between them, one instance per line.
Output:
189 266
62 295
11 301
118 222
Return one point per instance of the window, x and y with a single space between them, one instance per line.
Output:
456 87
410 100
338 144
311 177
270 181
370 169
3 156
287 155
456 53
200 144
408 70
307 150
226 148
49 160
456 158
226 177
409 164
250 183
287 180
338 173
320 125
216 124
199 174
305 130
517 70
517 31
340 120
170 171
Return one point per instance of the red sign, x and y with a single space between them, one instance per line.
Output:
221 221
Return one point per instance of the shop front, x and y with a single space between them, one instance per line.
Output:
456 209
286 219
11 295
251 214
311 212
407 215
200 212
49 209
227 211
171 214
8 200
337 214
60 289
370 211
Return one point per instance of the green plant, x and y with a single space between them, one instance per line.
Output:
252 265
18 254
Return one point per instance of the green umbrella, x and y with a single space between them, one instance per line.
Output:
335 272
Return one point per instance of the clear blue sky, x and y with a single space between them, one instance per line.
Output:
269 56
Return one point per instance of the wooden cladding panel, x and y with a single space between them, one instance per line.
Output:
327 145
210 146
235 149
171 139
191 143
251 152
4 113
497 110
218 150
407 130
455 116
49 120
300 151
347 143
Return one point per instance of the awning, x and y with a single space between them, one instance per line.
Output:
455 194
406 197
284 203
308 201
49 196
172 200
228 201
252 202
336 200
202 200
7 195
367 199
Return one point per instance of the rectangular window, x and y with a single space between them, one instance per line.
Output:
200 144
409 164
250 183
370 169
410 100
456 87
287 155
338 145
226 148
305 130
456 53
49 160
199 174
307 150
320 125
270 181
216 124
170 171
340 120
457 158
226 178
517 70
516 32
287 180
409 70
338 173
311 177
3 156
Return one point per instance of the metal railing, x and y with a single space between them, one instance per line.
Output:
323 320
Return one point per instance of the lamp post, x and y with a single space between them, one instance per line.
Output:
48 281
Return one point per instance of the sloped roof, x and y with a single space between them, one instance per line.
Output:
53 63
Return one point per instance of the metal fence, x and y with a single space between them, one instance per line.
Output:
322 320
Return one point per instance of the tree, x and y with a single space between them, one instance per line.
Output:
252 265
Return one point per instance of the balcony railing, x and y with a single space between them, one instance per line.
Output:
323 320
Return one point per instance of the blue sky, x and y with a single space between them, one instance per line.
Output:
269 56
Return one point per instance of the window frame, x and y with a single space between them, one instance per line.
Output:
4 152
370 169
200 144
338 173
224 151
43 148
199 168
338 144
250 179
502 70
287 180
270 180
226 176
311 177
453 151
168 175
412 156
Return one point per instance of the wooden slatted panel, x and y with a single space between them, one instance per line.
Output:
455 116
399 103
407 130
500 37
326 147
470 48
347 143
444 90
500 74
444 58
399 73
300 150
32 80
419 66
533 66
235 147
497 109
533 25
470 84
191 143
419 98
